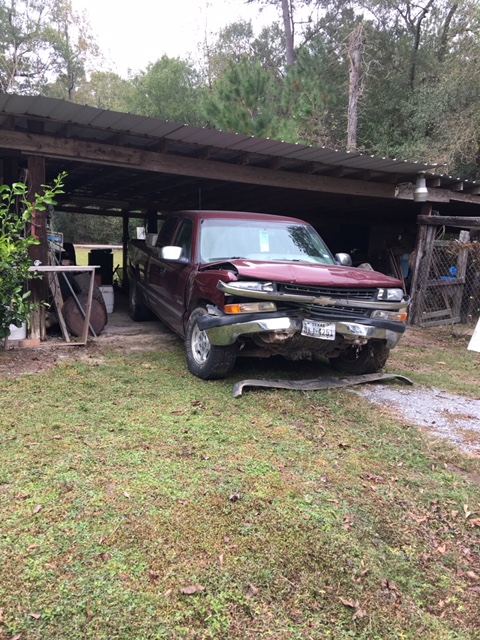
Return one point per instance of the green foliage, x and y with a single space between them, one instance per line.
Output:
105 90
41 40
169 89
244 100
88 228
16 214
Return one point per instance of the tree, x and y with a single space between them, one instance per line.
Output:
355 49
244 100
73 48
287 10
24 59
105 90
16 214
238 40
45 47
169 89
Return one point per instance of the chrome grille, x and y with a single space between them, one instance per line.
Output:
321 312
334 292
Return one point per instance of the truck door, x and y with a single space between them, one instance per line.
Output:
171 278
154 275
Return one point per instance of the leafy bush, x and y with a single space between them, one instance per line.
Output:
16 214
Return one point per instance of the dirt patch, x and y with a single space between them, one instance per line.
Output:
120 334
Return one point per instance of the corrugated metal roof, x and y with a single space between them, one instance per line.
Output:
61 112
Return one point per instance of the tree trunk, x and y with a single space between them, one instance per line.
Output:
417 32
288 28
355 49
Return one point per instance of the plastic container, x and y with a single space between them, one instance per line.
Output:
108 296
18 333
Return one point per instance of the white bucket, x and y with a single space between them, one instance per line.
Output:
18 333
108 296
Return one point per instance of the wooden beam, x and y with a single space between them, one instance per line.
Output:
99 153
459 222
458 186
38 253
423 255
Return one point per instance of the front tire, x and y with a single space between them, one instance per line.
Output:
204 360
369 358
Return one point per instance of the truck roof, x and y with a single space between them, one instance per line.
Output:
244 215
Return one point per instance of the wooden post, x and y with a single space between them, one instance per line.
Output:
125 238
423 252
462 262
38 253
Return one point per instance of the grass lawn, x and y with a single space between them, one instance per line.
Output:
138 502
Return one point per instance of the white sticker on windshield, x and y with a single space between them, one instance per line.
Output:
264 243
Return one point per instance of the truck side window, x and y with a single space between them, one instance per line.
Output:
184 237
166 232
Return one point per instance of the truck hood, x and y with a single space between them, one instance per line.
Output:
312 274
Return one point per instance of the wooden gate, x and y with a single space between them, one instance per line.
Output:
441 292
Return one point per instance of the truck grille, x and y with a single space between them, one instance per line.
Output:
344 312
353 294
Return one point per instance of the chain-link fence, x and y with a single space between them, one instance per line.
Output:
451 293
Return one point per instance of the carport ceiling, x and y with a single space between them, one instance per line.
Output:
118 163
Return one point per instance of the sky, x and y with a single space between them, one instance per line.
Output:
132 33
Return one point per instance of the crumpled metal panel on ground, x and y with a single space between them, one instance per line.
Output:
317 383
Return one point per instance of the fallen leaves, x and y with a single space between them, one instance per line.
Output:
38 508
192 589
354 604
252 591
419 519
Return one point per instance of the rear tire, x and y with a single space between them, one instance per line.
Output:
359 360
138 311
204 360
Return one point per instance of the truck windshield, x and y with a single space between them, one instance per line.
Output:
259 240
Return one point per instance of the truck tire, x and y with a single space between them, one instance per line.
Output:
138 311
205 360
359 360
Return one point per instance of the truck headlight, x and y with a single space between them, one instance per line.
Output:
390 295
394 316
252 285
250 307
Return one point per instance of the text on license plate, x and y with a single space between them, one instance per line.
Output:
322 330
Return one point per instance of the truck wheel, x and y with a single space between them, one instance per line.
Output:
138 311
359 360
205 360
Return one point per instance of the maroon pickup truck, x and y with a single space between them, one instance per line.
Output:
235 283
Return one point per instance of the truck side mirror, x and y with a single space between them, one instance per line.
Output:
173 254
343 259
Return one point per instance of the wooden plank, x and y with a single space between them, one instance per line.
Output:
426 315
441 323
39 252
462 261
459 222
423 252
104 154
49 269
58 299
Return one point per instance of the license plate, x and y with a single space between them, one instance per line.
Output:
322 330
